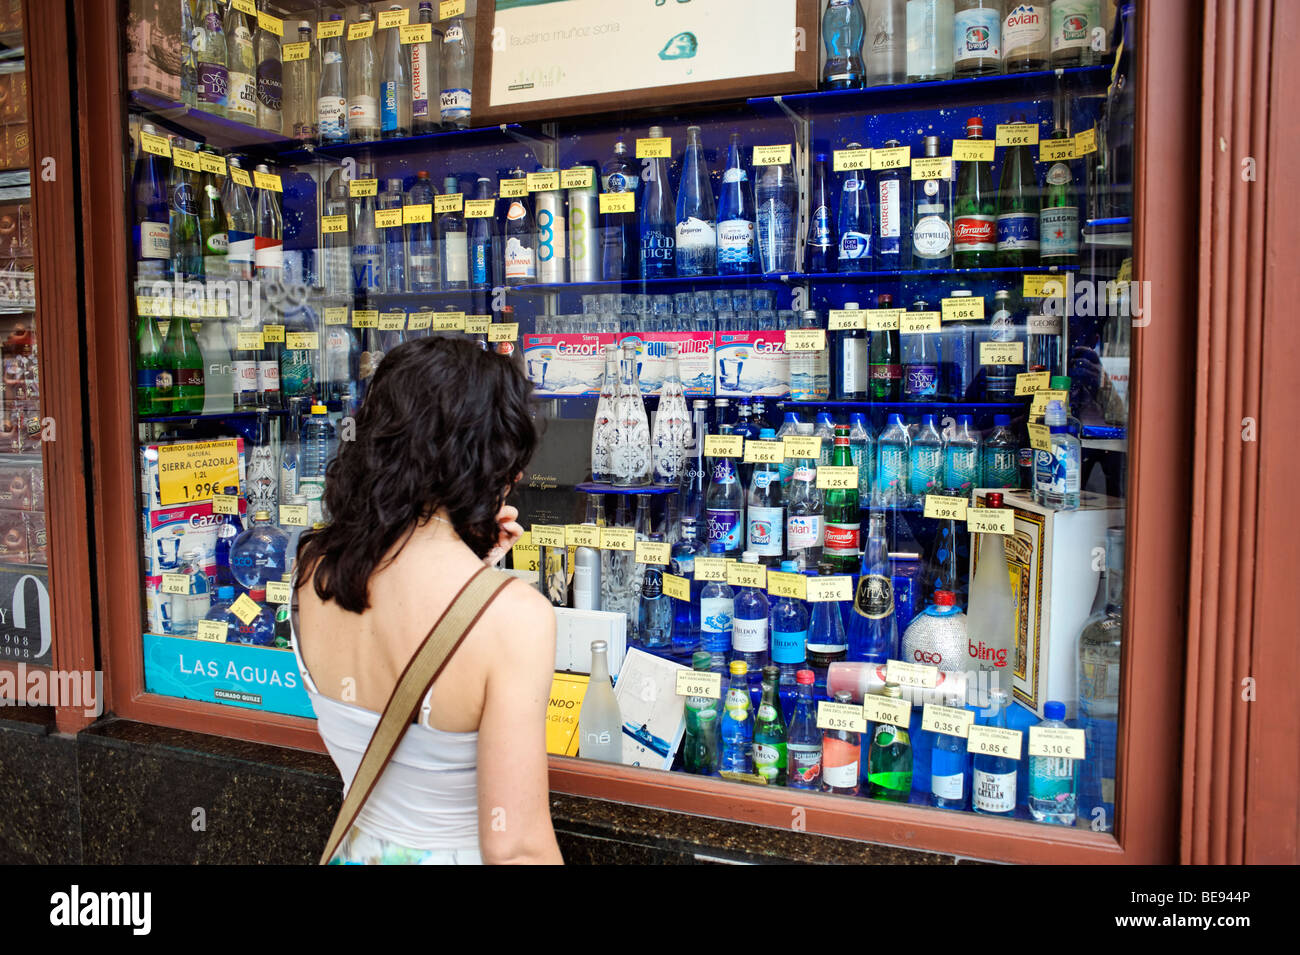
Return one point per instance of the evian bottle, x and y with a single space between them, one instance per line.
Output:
1024 37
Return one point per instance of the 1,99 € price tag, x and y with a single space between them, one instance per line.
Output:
833 588
993 741
840 477
617 538
724 445
841 716
699 683
949 720
711 568
213 631
548 535
1056 741
911 674
887 709
677 588
653 552
740 574
945 508
991 520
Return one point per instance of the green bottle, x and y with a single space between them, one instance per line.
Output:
843 520
700 744
150 374
1018 208
212 226
769 732
183 360
889 760
1058 219
975 231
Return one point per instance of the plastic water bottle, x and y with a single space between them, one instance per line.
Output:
189 608
789 426
862 449
856 228
749 625
421 244
893 456
789 626
1056 472
725 508
220 610
259 553
805 527
803 747
825 430
260 631
994 789
737 723
317 449
775 220
457 76
999 456
765 513
949 766
717 609
961 459
1053 795
925 462
1101 647
843 27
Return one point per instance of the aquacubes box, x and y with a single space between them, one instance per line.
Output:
694 359
752 363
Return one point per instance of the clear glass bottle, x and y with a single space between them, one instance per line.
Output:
187 609
395 86
1100 652
602 430
701 745
426 81
929 32
855 225
394 239
999 454
776 219
841 756
749 624
331 97
1053 795
259 553
270 82
736 252
457 76
241 68
421 239
600 721
672 424
363 86
885 50
654 611
268 243
993 789
300 91
873 628
697 221
630 459
453 236
931 216
925 463
213 90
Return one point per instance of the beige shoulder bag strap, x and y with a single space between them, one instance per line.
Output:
412 685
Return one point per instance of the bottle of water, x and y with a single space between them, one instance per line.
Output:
991 621
654 622
999 456
994 784
520 258
862 448
395 86
1100 650
209 43
331 97
394 247
268 243
961 459
820 244
220 611
841 755
737 723
426 83
600 722
363 86
229 528
736 253
693 484
686 613
480 240
749 624
291 452
697 225
658 219
262 483
620 239
769 732
630 448
790 425
701 744
717 611
317 449
725 508
886 42
258 554
421 239
457 76
827 643
270 82
843 26
893 243
260 631
1000 380
925 462
889 760
672 425
1053 796
949 764
929 40
187 609
241 68
776 219
893 457
765 510
602 430
856 227
453 238
873 629
1056 472
803 740
789 626
805 527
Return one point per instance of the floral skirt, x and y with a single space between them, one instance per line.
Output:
361 848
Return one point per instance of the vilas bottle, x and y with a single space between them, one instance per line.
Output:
873 630
654 611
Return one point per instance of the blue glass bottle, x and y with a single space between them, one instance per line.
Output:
820 245
480 240
229 528
843 27
152 235
260 631
221 612
789 628
873 628
854 223
749 625
993 790
949 768
736 250
654 623
620 237
696 221
258 553
686 613
893 191
658 219
717 609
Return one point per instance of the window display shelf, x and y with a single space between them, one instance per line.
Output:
444 139
592 487
206 128
919 407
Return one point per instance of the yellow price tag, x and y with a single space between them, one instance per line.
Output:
805 339
365 318
333 224
991 520
1056 150
248 341
273 333
850 160
503 331
450 8
846 319
660 147
422 212
543 181
973 150
250 8
678 588
895 157
328 29
302 341
359 31
945 508
1040 437
579 177
1017 134
513 188
617 538
293 515
914 323
782 583
764 452
653 552
267 180
212 631
270 24
225 504
887 709
449 202
392 321
711 568
175 584
582 535
477 324
419 321
772 155
615 202
1052 741
196 470
949 720
962 308
186 159
278 592
911 674
1044 286
292 52
840 716
416 33
389 218
157 306
480 208
246 609
394 18
158 145
740 574
1028 382
932 167
336 315
1085 142
241 177
832 589
884 319
724 446
363 187
800 447
548 535
993 741
837 477
448 322
1002 353
699 683
213 164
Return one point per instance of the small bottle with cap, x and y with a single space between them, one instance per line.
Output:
1056 472
889 760
841 752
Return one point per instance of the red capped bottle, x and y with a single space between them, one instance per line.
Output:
974 240
843 530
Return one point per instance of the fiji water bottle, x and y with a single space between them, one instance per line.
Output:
961 459
893 452
843 27
749 623
737 723
1056 472
258 554
717 610
1053 789
999 456
926 459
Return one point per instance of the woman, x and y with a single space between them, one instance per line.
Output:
417 507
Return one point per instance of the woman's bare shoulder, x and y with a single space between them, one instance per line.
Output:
521 621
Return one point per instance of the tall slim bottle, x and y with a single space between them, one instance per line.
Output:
394 239
212 227
331 97
481 244
694 481
769 733
426 83
884 362
977 37
270 82
421 239
395 86
820 245
213 90
885 51
658 219
697 225
700 744
672 425
931 217
776 218
855 226
620 240
630 449
893 193
241 68
600 722
736 252
186 235
842 31
268 243
929 40
1058 218
1024 36
520 256
299 102
851 363
1100 652
189 60
974 241
843 521
1018 208
363 86
454 237
457 76
153 382
991 615
873 629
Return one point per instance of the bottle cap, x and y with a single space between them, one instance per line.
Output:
449 184
892 690
994 499
599 646
858 418
767 434
701 660
225 593
896 417
1060 383
262 516
1054 710
790 566
819 157
974 126
422 174
885 301
805 678
850 305
842 696
258 594
749 557
656 132
739 668
964 419
824 418
945 598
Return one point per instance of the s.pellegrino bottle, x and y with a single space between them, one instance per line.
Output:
1058 217
843 27
889 760
697 226
873 629
769 733
736 253
820 246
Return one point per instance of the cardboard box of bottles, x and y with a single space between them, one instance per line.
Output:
573 366
1054 559
150 484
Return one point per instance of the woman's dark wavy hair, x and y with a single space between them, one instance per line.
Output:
445 424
